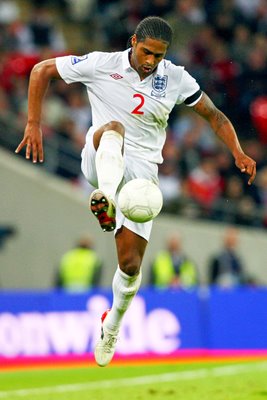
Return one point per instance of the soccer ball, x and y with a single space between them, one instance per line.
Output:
140 200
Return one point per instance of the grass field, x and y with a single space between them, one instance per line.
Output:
185 381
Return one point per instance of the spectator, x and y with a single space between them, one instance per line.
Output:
80 11
225 268
204 184
44 33
80 268
224 72
225 164
247 214
253 78
224 18
247 7
188 128
9 11
170 186
262 17
78 112
169 179
201 45
159 7
258 112
185 20
226 207
241 44
172 268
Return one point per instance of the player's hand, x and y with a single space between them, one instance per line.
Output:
33 141
246 165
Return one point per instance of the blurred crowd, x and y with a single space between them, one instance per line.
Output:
222 43
81 267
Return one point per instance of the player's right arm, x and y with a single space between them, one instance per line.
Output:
41 75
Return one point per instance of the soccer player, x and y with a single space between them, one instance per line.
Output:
131 93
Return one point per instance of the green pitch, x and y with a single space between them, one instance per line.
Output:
196 381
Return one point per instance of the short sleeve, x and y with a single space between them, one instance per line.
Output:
189 90
77 68
192 100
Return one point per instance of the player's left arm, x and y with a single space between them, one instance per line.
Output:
224 129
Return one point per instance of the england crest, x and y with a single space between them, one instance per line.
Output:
159 85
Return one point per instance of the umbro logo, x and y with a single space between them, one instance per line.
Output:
116 76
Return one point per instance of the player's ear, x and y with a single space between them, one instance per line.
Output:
133 40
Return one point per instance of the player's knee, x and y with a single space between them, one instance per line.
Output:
115 126
130 267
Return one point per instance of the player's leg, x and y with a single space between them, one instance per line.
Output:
108 143
126 282
127 279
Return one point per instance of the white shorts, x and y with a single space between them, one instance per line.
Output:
133 168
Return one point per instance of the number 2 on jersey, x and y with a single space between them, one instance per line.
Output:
137 109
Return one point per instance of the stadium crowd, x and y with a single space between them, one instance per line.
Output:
222 43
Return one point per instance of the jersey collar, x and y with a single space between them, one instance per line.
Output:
125 60
127 66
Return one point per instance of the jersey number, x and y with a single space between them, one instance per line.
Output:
137 110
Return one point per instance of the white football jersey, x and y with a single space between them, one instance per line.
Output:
116 93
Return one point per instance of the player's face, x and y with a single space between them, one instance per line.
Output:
146 55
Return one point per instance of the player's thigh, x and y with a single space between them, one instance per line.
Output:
88 161
130 249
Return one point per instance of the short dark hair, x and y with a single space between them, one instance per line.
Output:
154 28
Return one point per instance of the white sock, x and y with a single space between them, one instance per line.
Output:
109 162
124 289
